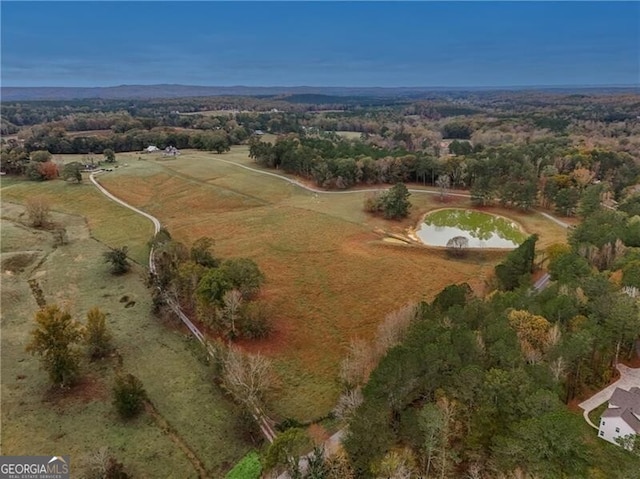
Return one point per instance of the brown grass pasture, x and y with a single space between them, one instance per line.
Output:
330 278
37 419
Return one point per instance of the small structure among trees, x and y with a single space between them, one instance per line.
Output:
619 423
171 151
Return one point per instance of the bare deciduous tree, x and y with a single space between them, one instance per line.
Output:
358 363
444 183
558 368
232 302
38 210
391 331
347 404
246 376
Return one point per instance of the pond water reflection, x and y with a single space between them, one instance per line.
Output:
482 230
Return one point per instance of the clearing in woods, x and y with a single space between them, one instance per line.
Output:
330 278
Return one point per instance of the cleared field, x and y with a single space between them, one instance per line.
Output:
39 420
329 277
350 135
109 223
214 112
74 134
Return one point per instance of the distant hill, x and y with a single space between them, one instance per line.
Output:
180 91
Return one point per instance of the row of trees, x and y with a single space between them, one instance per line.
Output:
220 292
133 140
550 174
56 339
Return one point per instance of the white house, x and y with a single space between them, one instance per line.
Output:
622 417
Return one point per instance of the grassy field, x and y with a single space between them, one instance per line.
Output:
330 278
39 420
108 222
350 135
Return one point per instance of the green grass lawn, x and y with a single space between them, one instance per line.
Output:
597 412
108 222
39 420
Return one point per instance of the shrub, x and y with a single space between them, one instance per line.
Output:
97 336
38 211
393 203
128 396
118 259
254 322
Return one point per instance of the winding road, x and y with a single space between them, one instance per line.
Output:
325 192
263 421
331 444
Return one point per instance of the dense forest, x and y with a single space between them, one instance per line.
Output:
471 387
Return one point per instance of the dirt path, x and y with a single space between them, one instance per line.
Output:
177 439
264 422
153 219
555 220
325 192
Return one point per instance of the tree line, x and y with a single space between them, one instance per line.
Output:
220 293
479 387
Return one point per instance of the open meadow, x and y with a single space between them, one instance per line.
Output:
37 419
330 277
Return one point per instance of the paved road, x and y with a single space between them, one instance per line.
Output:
629 377
153 219
555 220
542 283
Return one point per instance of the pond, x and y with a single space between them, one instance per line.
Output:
482 230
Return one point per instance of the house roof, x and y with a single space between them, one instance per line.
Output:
625 405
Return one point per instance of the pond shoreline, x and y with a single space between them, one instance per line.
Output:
413 232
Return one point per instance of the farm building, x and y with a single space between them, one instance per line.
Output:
170 151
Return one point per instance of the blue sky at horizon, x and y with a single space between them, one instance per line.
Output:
388 44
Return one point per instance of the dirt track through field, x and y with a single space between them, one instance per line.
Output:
324 192
264 422
177 440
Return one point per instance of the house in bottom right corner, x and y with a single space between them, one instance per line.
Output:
622 418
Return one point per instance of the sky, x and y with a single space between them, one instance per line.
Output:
387 44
